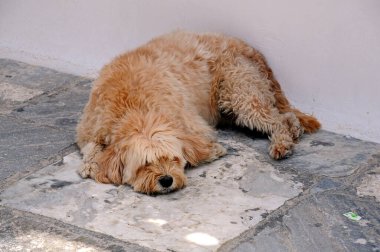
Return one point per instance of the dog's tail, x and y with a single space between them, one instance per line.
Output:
309 123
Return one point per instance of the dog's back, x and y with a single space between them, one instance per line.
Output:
168 73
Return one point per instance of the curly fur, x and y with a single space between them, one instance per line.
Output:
152 110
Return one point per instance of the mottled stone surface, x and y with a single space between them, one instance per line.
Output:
12 92
314 221
22 231
39 109
20 82
317 224
222 200
370 184
24 146
324 153
59 109
34 77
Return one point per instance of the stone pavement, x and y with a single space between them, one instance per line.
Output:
244 201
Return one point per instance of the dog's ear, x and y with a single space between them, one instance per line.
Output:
195 149
110 166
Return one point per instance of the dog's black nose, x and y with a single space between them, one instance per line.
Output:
166 181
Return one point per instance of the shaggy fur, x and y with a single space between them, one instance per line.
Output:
152 110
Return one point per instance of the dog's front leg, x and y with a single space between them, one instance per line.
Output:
199 150
90 168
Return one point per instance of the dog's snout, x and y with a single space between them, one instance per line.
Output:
166 181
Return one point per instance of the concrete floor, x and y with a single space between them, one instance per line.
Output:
244 201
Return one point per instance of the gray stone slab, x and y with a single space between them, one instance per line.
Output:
369 185
46 105
60 109
20 82
35 77
11 95
323 153
318 224
217 204
24 145
326 184
21 231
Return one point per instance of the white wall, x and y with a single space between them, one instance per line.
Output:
326 54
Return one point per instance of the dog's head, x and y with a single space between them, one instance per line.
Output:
155 164
150 155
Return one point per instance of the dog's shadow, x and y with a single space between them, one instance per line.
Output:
253 134
226 128
228 123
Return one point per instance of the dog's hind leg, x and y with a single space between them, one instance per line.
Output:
89 168
246 94
308 123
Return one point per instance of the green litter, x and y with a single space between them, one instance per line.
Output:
352 216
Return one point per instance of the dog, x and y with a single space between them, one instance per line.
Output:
153 110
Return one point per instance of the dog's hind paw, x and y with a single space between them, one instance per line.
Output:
281 147
295 127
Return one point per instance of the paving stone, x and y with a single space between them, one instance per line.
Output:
43 101
60 110
12 95
318 224
323 153
23 145
370 184
17 93
34 77
326 184
20 231
269 241
217 204
20 82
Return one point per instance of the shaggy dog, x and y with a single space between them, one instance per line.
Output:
154 109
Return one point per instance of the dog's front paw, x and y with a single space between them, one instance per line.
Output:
281 147
217 151
88 170
220 151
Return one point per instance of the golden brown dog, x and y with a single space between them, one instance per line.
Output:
152 110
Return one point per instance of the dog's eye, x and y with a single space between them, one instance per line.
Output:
176 159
